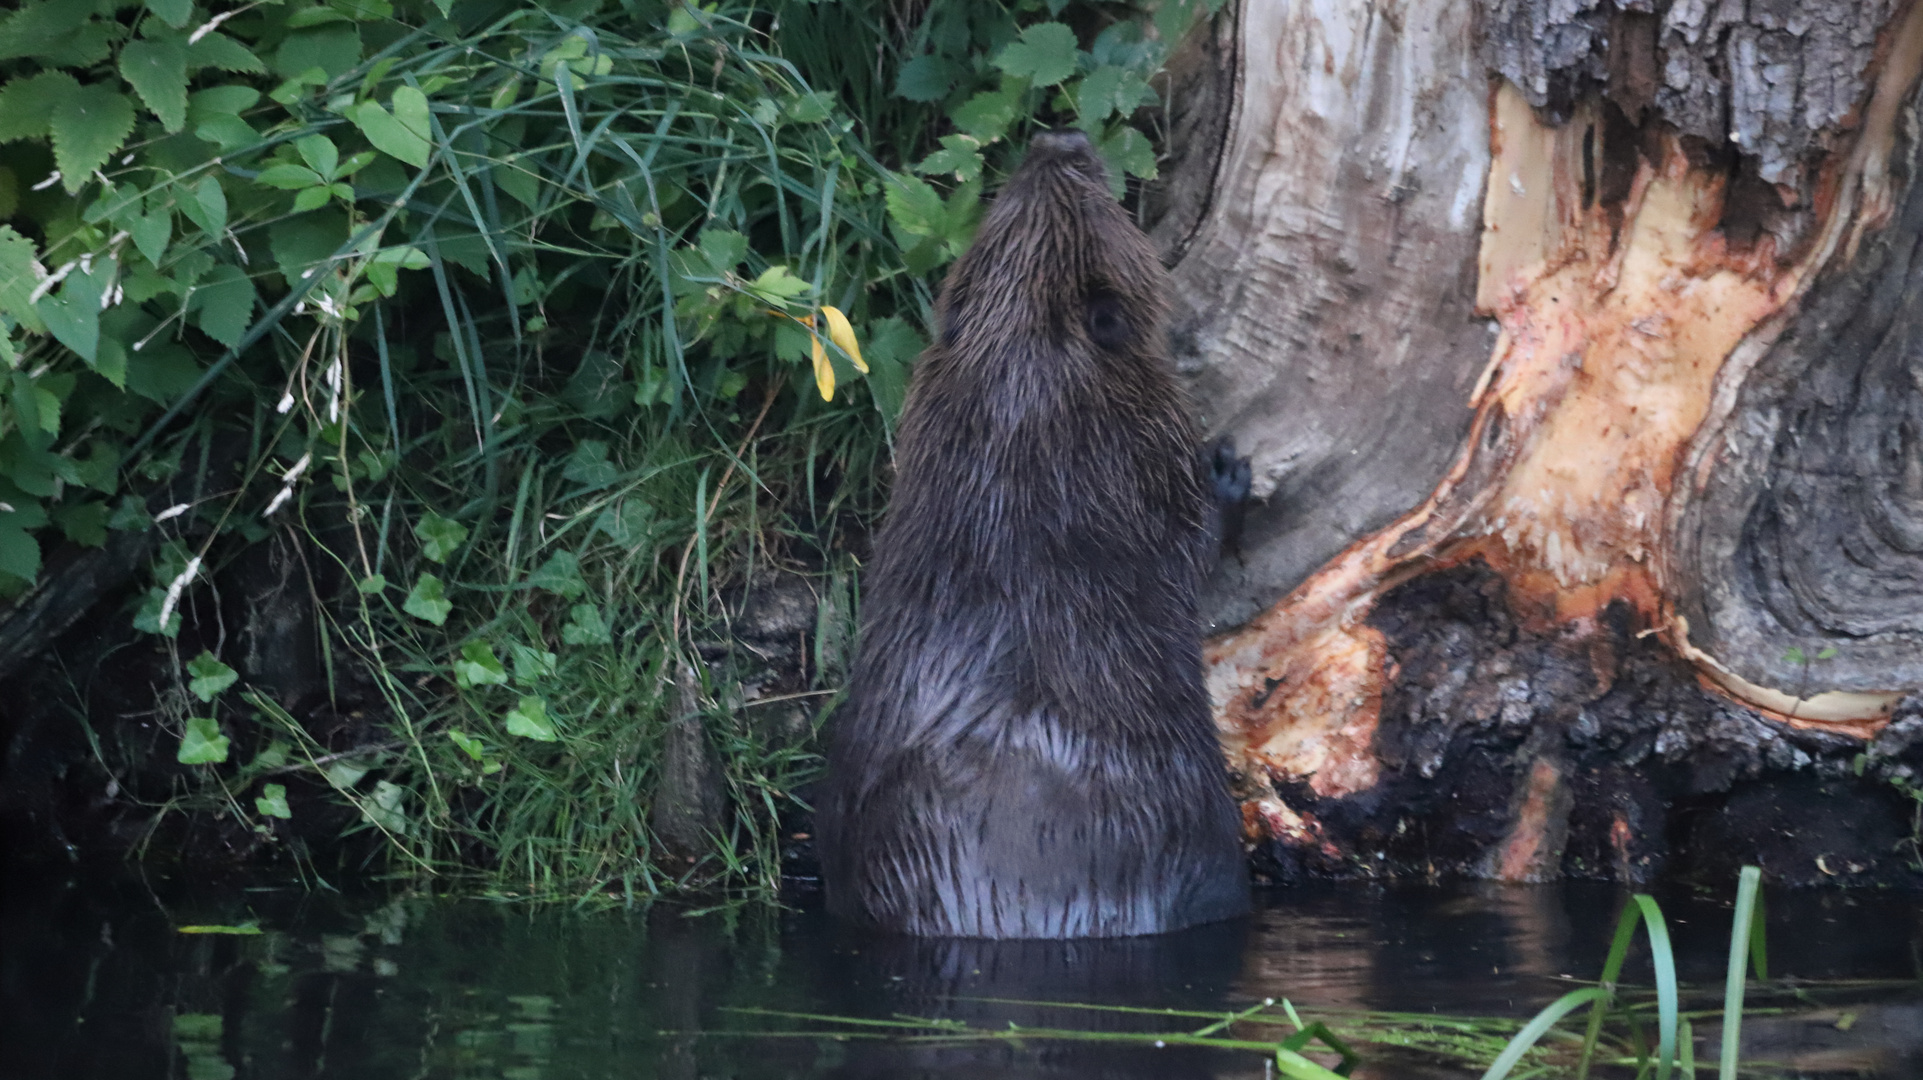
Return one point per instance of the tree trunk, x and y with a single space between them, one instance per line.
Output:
1576 347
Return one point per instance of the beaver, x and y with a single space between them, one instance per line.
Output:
1025 750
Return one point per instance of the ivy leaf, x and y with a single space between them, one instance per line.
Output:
88 126
202 743
627 525
560 575
428 601
402 134
585 627
225 302
272 800
589 465
383 808
529 720
157 70
174 13
478 666
210 676
531 665
26 105
469 745
1045 55
440 537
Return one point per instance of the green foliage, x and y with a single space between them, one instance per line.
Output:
510 306
202 743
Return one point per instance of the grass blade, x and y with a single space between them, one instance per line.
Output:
1543 1021
1742 939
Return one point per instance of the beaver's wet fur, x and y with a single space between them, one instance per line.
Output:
1026 749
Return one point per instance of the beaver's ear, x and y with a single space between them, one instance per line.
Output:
1106 319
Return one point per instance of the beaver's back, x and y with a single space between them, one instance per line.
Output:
1026 750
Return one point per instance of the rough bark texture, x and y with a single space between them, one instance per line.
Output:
1776 78
1657 614
1808 534
1324 307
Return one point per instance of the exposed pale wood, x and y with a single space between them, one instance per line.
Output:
1694 438
1323 309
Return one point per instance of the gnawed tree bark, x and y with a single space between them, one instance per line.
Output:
1576 347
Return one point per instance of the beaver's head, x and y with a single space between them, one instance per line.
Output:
1056 261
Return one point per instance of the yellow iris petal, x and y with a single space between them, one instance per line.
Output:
843 335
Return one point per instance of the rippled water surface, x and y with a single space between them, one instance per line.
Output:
96 980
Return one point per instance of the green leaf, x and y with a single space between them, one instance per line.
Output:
383 808
776 286
319 153
372 585
26 105
312 198
174 13
217 50
585 627
202 743
1828 653
150 233
19 553
288 177
402 134
221 100
83 523
469 745
1128 151
1045 55
206 206
477 666
272 800
210 676
157 70
316 16
72 314
927 78
561 575
529 720
88 126
531 665
915 210
440 537
224 301
1794 655
960 155
428 601
629 524
38 30
17 276
988 114
589 465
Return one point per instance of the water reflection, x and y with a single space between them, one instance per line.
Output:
96 981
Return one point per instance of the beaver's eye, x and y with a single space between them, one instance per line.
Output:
1106 321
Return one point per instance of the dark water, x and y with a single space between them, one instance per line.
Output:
96 980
